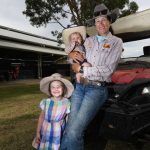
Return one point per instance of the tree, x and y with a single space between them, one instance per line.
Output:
42 12
131 9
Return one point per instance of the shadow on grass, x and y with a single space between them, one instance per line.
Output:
18 133
13 91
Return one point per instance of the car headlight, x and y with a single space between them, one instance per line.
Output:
146 90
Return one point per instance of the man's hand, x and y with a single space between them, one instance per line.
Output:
78 77
76 67
76 56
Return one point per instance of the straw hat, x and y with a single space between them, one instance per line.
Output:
66 33
35 144
44 84
102 10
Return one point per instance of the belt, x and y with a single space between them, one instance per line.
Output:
86 81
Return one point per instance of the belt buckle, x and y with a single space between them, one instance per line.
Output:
84 81
98 84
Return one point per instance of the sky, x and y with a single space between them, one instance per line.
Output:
11 16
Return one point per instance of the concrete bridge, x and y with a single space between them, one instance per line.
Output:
28 50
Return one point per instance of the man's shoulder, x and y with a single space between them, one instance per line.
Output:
113 37
89 42
90 38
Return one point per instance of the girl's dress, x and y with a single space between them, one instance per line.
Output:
54 123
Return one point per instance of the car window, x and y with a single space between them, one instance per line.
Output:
134 48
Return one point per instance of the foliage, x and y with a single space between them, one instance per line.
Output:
43 12
132 8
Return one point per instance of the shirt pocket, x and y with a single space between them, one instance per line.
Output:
106 50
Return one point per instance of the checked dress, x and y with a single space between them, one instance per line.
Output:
54 123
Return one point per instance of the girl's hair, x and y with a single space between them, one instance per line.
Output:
63 87
82 40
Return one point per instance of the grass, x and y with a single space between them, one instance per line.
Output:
18 118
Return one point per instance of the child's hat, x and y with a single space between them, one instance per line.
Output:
44 84
66 33
35 144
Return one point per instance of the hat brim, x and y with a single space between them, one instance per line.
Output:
66 33
44 85
112 15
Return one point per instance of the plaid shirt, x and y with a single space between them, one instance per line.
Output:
103 56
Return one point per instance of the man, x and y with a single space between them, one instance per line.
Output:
103 51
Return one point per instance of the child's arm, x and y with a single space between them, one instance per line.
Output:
66 117
74 52
86 64
78 77
40 121
69 48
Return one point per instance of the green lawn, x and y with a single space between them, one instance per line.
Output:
18 118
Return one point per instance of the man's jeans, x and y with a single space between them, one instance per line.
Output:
85 103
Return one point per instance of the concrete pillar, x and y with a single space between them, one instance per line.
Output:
39 65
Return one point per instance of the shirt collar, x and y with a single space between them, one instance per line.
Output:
103 38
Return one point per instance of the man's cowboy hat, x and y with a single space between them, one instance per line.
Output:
44 84
102 10
66 33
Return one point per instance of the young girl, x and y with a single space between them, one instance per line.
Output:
52 119
74 39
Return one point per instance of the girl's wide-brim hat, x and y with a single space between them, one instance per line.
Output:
44 84
68 31
102 10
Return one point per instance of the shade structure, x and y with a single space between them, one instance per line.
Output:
130 28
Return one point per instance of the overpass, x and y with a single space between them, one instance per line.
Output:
18 47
